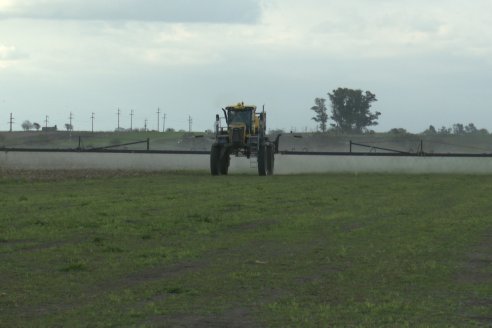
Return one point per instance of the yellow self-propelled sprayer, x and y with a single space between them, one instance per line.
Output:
245 135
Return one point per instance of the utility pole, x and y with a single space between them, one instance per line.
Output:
164 122
158 118
46 122
70 118
145 125
190 121
119 112
92 120
131 120
11 121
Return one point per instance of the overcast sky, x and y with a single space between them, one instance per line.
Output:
428 62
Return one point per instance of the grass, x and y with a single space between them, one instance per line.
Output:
186 249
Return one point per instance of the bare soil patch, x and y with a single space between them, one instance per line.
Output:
61 175
254 225
232 318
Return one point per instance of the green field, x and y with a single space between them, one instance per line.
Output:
92 249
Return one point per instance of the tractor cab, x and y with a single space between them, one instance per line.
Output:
242 123
241 116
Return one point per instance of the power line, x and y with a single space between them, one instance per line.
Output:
46 121
119 112
190 122
145 126
92 122
164 122
158 118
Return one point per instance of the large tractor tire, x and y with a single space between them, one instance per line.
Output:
270 159
215 159
262 160
224 161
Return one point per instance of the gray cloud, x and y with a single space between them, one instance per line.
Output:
428 63
189 11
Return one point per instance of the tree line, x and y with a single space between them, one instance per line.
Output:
455 129
350 113
28 126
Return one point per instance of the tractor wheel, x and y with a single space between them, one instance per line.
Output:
215 159
262 160
224 161
270 160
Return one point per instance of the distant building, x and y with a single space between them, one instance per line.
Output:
49 128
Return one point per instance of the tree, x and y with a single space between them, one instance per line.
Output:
321 116
69 127
444 130
458 129
431 131
27 125
471 128
398 131
275 132
350 110
36 126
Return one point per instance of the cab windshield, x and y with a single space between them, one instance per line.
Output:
236 116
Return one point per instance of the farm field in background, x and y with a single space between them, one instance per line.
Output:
472 143
187 249
63 139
